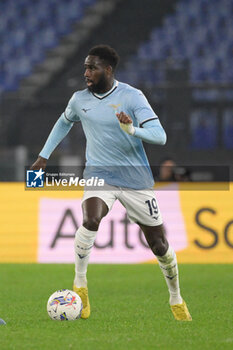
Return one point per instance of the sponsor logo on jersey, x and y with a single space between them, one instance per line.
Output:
85 110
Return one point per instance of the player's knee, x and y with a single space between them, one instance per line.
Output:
91 223
159 247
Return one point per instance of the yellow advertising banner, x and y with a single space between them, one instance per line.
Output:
208 216
19 220
39 226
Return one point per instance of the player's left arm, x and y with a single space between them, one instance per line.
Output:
150 129
151 132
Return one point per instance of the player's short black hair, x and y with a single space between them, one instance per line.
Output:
105 53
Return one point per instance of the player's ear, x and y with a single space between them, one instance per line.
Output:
109 70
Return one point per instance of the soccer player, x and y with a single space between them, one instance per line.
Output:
116 118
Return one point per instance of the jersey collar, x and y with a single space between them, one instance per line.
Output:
101 96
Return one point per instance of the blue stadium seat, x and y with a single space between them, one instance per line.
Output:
31 28
228 129
203 129
200 31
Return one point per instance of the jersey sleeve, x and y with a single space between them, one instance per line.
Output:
152 132
141 108
69 112
59 131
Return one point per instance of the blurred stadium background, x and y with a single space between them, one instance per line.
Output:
179 52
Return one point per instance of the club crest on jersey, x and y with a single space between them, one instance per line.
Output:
115 106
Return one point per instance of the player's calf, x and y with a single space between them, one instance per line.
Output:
83 243
166 257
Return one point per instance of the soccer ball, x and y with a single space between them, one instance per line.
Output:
64 305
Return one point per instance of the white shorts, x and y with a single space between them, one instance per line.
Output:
141 205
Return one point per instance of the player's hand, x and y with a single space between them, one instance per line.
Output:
126 123
39 163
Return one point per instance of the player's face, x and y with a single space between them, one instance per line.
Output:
97 74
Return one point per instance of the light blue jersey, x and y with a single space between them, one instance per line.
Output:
111 153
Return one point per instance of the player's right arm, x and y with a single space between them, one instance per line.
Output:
59 131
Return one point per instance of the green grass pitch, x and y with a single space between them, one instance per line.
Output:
129 308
